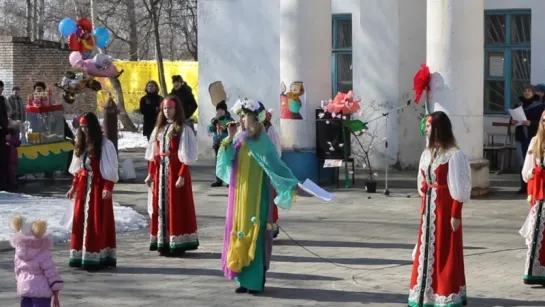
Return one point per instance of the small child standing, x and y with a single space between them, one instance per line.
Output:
13 144
218 129
37 277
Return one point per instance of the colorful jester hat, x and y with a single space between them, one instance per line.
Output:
248 106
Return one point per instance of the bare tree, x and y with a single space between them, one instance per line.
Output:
154 8
29 18
40 19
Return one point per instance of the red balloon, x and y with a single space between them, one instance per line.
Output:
85 24
73 42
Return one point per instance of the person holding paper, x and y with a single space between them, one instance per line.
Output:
247 161
533 230
444 184
525 130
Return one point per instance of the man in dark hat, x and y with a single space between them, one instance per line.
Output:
4 139
218 130
185 94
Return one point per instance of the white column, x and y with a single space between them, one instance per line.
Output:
455 39
376 65
305 55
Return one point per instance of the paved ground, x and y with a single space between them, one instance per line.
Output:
370 240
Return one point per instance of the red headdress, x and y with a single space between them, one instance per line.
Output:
83 121
421 82
429 119
168 103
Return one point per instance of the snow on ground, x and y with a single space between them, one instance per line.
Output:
52 210
127 140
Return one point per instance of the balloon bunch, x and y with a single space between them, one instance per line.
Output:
81 37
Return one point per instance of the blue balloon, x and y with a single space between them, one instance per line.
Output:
67 26
102 37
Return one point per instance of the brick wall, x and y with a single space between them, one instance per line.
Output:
24 63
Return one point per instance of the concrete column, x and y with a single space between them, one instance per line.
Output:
376 76
455 39
305 55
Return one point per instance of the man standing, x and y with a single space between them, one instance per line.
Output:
16 105
4 138
185 94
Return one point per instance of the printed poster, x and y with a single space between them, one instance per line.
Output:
292 100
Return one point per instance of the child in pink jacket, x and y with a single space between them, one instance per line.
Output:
37 277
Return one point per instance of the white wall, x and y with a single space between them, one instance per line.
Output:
412 43
239 45
389 44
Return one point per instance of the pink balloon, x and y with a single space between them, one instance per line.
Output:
75 58
89 66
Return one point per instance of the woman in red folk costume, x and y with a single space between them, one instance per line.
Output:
171 150
444 183
533 172
95 170
275 139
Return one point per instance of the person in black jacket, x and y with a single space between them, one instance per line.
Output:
185 94
4 139
526 130
149 107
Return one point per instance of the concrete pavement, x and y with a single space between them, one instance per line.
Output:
364 243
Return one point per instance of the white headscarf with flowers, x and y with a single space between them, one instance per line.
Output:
250 106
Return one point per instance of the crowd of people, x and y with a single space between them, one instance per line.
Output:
248 161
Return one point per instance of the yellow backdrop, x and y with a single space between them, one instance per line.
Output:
137 74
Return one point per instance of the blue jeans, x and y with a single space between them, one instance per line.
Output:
520 153
35 302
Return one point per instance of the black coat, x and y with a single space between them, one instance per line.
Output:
149 108
189 104
524 134
3 119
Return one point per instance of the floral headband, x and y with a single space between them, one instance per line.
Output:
249 106
83 121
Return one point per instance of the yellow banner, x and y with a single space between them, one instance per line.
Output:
137 74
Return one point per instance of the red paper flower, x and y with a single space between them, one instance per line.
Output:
343 103
421 82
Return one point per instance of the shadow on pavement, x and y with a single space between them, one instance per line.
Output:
314 243
213 272
336 296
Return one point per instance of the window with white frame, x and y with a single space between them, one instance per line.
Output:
507 57
342 53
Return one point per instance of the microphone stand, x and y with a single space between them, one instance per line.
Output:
386 115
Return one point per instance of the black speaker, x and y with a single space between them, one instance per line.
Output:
329 136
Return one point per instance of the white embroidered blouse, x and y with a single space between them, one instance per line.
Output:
529 163
187 149
109 165
459 172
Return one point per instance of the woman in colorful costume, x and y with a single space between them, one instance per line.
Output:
533 172
172 148
275 139
247 160
95 169
444 183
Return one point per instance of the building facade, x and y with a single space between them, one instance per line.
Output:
376 48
